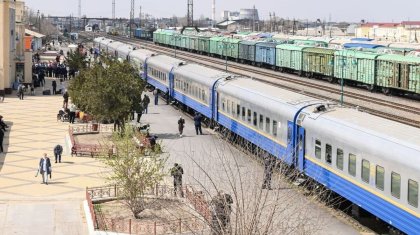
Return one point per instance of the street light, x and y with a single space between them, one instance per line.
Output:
224 46
343 64
175 38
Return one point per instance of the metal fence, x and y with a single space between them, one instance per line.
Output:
195 225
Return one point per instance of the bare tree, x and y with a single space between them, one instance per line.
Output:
133 171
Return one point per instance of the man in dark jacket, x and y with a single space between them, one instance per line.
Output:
65 99
269 164
58 150
177 173
197 123
45 168
181 123
1 140
54 87
146 101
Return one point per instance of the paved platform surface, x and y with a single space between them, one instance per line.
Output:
205 159
26 205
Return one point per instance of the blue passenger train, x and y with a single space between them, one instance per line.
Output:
371 161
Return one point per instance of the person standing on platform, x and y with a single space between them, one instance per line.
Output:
146 101
269 164
45 168
167 96
177 173
197 124
54 87
1 139
156 94
181 123
58 150
72 114
20 91
65 99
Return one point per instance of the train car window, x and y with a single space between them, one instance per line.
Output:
328 153
228 106
238 110
261 125
255 118
352 164
395 185
203 95
365 170
267 125
318 149
223 104
340 158
274 128
380 177
249 115
413 193
243 113
233 109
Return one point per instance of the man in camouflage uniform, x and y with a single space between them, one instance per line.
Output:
177 173
221 205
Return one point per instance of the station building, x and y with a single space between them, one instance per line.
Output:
15 59
405 31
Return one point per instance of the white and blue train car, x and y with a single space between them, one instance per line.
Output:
124 51
97 41
138 58
159 71
373 162
193 85
112 48
103 44
259 113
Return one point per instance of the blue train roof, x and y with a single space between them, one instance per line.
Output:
361 45
362 39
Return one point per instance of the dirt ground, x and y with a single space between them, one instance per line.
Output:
94 138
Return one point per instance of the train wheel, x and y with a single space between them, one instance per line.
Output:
330 79
371 87
386 90
281 69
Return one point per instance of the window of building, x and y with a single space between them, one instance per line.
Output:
274 128
267 124
352 164
413 193
255 118
380 177
317 149
243 113
249 113
365 170
395 185
340 162
328 153
261 125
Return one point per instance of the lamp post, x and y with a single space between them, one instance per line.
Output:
175 38
344 64
224 46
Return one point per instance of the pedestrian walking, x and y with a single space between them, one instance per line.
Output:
45 168
54 87
156 94
139 111
222 208
167 96
146 101
1 140
58 150
269 164
181 123
20 91
177 173
65 99
72 113
197 123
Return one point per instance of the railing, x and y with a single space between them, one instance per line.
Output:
92 127
90 149
132 226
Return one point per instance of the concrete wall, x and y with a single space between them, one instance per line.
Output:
4 45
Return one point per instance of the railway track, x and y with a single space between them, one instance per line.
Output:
244 70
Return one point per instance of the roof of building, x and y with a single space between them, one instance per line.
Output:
380 24
410 22
35 34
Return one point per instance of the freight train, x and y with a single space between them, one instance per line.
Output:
370 67
371 161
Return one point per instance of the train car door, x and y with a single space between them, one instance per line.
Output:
295 153
171 82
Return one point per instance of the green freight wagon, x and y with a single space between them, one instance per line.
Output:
193 43
311 43
357 67
318 62
204 45
158 36
224 46
289 57
167 37
398 73
184 43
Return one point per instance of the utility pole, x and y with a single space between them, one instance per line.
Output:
213 17
131 17
271 23
113 13
190 16
253 19
140 18
275 22
79 14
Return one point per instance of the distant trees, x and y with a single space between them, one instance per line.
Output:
109 91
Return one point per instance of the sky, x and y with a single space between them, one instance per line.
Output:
338 10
